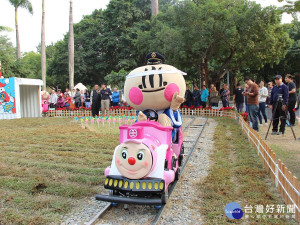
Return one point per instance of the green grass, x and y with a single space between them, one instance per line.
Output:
289 157
237 175
47 163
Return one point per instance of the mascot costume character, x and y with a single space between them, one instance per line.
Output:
158 87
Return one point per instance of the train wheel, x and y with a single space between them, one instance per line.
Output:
165 196
111 193
177 174
180 158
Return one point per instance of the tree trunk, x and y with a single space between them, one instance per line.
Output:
154 4
17 35
71 48
204 71
43 47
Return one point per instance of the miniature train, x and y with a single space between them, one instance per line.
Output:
144 165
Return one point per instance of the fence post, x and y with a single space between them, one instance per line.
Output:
276 175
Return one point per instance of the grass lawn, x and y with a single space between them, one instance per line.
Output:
285 147
46 163
237 175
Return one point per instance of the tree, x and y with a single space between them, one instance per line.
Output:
292 6
214 37
43 47
3 28
117 79
154 7
23 4
71 48
103 42
7 57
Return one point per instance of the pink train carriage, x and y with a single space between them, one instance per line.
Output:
144 164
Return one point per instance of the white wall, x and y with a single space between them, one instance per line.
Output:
30 101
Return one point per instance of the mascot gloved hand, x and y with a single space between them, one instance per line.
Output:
177 100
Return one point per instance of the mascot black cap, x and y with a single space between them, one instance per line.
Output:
155 58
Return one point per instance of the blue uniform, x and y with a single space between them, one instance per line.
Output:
281 89
176 120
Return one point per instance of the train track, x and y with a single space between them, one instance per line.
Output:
194 130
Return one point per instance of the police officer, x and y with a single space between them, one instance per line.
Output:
278 104
96 98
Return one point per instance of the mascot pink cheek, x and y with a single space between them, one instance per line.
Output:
135 96
170 90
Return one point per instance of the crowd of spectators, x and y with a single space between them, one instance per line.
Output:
253 98
250 98
95 100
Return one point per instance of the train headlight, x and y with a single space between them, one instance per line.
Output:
150 185
120 183
110 182
106 181
131 185
137 185
115 183
144 185
155 185
126 184
161 185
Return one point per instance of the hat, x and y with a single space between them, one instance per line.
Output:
278 77
155 58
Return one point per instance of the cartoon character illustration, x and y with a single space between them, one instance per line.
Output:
4 97
7 101
159 87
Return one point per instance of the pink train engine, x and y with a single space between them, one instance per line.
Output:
144 164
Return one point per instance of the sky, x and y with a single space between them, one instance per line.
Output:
57 19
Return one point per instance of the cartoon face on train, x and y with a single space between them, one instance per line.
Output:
133 160
153 86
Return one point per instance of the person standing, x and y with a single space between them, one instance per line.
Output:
292 98
188 97
53 99
252 102
225 96
262 98
77 98
67 92
204 96
115 97
105 99
279 100
213 97
238 98
196 96
87 99
96 98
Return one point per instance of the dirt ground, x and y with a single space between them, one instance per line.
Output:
285 146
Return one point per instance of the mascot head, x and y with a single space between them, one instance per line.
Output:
153 86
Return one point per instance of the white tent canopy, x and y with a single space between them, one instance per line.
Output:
80 86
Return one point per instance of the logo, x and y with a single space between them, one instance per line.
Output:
233 210
153 55
133 133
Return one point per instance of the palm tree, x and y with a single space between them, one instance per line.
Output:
71 48
43 47
3 28
154 4
23 4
